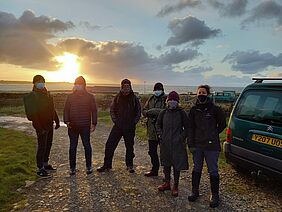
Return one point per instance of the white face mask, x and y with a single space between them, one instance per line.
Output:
79 87
40 85
172 104
158 92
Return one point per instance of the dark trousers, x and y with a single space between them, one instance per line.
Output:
153 152
176 174
84 133
211 158
112 143
44 144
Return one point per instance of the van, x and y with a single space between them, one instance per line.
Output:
254 132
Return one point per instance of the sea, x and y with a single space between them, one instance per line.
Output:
142 89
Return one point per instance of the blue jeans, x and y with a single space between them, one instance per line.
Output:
84 133
211 158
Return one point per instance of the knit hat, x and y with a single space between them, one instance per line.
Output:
173 96
38 78
125 81
80 81
158 87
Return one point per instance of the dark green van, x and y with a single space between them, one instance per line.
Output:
254 133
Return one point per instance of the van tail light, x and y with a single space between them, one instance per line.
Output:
228 135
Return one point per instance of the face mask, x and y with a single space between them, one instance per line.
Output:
40 85
79 87
202 98
158 93
172 104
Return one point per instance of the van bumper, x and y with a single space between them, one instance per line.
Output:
253 161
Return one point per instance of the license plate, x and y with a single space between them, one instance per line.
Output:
267 140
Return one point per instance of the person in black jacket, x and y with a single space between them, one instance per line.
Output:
206 122
125 112
80 115
39 108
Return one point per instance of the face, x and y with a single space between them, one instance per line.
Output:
126 89
202 91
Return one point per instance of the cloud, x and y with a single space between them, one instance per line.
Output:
252 61
182 4
175 56
190 29
23 41
93 27
266 10
231 9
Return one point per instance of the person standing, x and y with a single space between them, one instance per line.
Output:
125 113
39 108
206 122
172 127
154 105
80 115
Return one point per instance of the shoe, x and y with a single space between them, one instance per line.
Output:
89 170
196 177
130 169
214 199
164 187
174 191
43 173
49 168
151 174
104 169
72 172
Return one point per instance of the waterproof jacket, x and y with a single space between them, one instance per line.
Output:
80 109
39 108
125 111
172 128
151 110
206 122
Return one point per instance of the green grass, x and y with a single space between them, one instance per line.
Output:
17 159
12 110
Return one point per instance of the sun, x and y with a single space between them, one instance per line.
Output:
69 68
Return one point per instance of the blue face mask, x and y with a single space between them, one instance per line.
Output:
79 87
40 85
158 93
172 104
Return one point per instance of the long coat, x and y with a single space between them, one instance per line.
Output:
151 110
172 127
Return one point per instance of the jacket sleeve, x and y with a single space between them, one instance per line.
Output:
138 110
55 115
220 119
145 108
67 110
114 110
191 128
159 123
93 110
185 123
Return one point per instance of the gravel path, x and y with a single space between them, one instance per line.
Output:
119 190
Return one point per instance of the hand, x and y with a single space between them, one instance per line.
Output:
192 149
57 126
93 127
68 125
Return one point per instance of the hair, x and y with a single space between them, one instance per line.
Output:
207 87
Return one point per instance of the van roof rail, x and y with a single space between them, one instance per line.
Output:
260 79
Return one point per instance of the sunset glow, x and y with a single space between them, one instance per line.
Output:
69 68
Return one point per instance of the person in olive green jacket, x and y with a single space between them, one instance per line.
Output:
152 108
39 108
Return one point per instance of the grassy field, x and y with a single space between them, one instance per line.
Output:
17 159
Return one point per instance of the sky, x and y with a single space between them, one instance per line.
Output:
177 42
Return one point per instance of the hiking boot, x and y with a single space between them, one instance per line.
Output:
164 187
214 199
72 172
130 169
174 191
49 168
104 169
196 177
89 170
151 174
43 173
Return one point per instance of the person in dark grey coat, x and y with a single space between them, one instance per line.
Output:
80 115
206 122
172 128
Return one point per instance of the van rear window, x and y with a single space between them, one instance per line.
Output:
260 106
